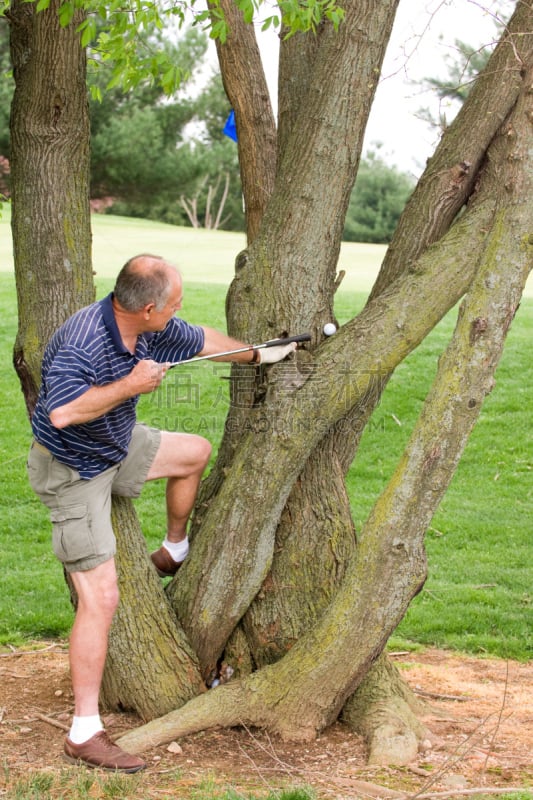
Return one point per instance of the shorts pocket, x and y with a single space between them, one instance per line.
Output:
72 537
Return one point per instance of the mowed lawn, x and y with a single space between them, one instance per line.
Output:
478 596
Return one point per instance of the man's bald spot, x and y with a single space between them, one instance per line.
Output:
146 263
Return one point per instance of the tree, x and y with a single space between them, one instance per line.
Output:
278 584
462 68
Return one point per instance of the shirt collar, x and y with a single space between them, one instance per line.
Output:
111 324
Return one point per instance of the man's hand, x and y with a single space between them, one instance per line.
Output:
146 376
269 355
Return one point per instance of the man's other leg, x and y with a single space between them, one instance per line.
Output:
98 598
87 742
182 459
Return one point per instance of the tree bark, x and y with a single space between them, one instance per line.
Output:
474 129
304 691
224 572
386 712
50 178
150 667
246 87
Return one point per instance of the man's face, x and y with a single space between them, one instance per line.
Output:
158 320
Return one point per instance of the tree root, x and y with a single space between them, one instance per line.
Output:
226 706
385 711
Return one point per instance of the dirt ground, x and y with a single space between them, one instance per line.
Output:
480 709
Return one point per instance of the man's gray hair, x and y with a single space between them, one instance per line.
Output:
142 280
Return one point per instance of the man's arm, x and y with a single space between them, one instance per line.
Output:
217 342
98 400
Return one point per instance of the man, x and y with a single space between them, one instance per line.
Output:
88 446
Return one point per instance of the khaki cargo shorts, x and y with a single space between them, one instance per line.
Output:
80 510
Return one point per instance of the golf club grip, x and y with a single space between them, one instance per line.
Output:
301 337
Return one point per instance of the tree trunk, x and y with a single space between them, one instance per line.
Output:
387 713
275 579
306 690
246 87
477 220
162 671
50 181
52 253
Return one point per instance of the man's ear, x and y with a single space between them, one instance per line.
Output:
147 310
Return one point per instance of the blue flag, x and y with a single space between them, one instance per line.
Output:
230 129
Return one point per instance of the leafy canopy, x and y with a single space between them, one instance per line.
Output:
111 29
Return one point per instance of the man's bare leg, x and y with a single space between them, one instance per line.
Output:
98 597
181 458
87 742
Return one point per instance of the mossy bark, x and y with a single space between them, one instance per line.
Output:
49 131
305 690
386 712
393 323
150 668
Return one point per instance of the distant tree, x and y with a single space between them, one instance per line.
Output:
377 201
463 65
145 157
140 152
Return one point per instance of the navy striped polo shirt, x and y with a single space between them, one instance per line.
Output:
87 350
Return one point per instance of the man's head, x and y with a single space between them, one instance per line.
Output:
149 286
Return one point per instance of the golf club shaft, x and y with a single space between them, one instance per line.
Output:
302 337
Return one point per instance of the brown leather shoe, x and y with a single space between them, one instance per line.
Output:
100 751
164 563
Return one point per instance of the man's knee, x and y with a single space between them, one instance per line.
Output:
204 451
180 455
109 599
97 590
193 450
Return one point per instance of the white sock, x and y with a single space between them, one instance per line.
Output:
84 728
178 550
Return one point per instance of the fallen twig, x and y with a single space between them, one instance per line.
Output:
437 696
17 653
499 721
52 721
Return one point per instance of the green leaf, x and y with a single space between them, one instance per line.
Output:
66 13
96 93
88 31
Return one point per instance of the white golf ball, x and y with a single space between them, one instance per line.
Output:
330 328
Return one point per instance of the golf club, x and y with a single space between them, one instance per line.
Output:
302 337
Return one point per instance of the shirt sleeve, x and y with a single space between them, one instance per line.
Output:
177 342
68 377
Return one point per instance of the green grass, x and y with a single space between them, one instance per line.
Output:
202 256
95 785
478 597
